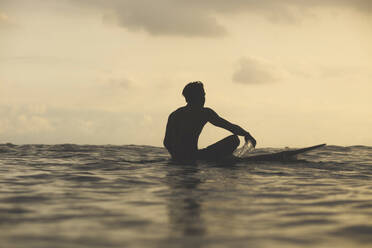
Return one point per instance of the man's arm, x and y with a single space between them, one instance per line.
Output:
218 121
168 139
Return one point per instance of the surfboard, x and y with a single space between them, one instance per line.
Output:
281 156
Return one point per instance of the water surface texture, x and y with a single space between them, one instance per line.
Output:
132 196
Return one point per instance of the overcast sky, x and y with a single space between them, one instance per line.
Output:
292 72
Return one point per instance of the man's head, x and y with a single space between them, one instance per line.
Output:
194 93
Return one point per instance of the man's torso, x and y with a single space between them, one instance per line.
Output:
186 125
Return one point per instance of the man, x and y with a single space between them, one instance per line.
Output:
186 123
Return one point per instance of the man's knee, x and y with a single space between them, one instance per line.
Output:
235 140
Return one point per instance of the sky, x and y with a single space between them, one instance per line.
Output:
291 72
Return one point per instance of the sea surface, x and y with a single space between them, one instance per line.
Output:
132 196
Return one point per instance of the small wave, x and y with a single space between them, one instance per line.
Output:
306 222
335 148
36 176
80 178
361 147
25 199
15 210
149 161
361 233
71 148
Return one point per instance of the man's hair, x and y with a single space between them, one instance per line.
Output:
193 91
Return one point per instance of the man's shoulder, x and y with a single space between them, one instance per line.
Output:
177 112
183 110
209 111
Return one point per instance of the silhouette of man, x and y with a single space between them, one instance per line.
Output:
186 123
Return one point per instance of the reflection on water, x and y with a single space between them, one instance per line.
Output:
131 196
184 205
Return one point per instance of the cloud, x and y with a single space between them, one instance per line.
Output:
42 124
20 121
158 18
119 83
191 18
255 71
3 17
201 18
5 21
283 6
111 86
167 18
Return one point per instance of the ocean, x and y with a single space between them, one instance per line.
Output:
132 196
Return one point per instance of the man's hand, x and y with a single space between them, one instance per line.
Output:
250 137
